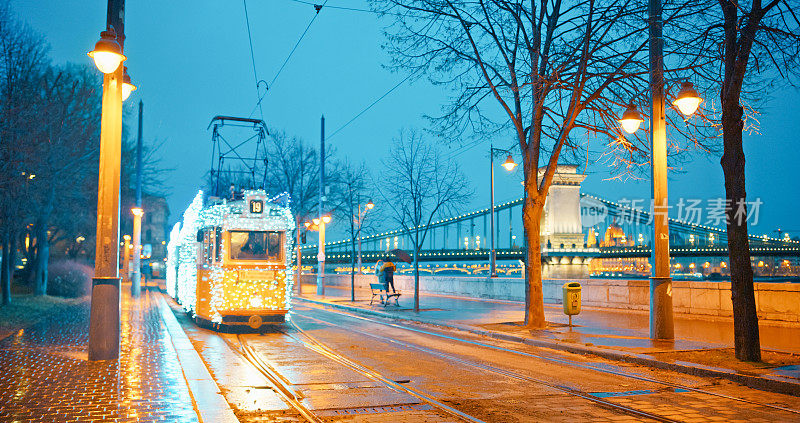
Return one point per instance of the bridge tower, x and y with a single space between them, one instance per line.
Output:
561 221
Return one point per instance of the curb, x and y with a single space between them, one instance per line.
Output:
780 386
207 399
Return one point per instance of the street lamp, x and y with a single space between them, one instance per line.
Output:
318 224
661 323
135 265
509 164
107 53
127 86
631 119
104 315
359 222
688 99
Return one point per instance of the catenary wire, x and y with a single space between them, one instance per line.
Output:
318 8
371 104
252 59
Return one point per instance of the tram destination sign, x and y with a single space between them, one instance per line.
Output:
256 206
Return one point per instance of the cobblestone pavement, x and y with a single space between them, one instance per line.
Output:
45 375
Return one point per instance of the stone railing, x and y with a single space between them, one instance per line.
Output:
779 302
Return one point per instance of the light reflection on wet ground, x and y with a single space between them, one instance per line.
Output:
44 374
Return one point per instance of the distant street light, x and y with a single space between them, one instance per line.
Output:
318 224
359 222
127 86
107 53
509 164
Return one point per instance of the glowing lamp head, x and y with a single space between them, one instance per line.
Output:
688 99
107 53
326 218
509 163
126 237
315 220
307 224
137 211
127 86
631 119
370 205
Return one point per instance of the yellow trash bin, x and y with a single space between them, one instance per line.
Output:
572 299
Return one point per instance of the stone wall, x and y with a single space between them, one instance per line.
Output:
778 302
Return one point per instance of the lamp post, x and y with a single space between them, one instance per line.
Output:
135 271
359 222
509 165
318 224
138 212
104 315
661 322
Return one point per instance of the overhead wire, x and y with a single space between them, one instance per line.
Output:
375 12
318 8
253 60
371 104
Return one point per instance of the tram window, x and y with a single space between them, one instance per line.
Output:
254 245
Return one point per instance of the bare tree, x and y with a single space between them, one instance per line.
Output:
23 62
551 66
749 48
350 198
421 185
294 168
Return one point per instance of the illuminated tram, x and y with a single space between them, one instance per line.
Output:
229 262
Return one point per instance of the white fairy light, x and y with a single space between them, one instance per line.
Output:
227 286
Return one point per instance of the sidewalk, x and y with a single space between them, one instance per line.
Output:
45 375
617 334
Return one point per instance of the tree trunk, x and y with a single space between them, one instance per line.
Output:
7 268
745 319
534 297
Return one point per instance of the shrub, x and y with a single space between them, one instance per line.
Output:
68 278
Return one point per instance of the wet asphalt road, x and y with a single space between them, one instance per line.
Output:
487 384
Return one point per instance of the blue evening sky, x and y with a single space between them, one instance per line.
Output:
191 61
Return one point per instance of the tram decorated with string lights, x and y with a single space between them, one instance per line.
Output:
229 261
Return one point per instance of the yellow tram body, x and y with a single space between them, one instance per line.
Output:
229 263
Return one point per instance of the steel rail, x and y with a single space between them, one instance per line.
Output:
315 345
512 374
281 385
562 361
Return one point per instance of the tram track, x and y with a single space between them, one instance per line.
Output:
292 398
518 376
511 374
283 388
315 345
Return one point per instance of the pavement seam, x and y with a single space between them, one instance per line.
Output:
756 382
214 407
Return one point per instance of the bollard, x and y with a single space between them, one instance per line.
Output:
572 299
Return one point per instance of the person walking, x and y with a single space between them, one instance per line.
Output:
388 268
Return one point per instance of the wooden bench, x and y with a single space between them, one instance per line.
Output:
379 290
